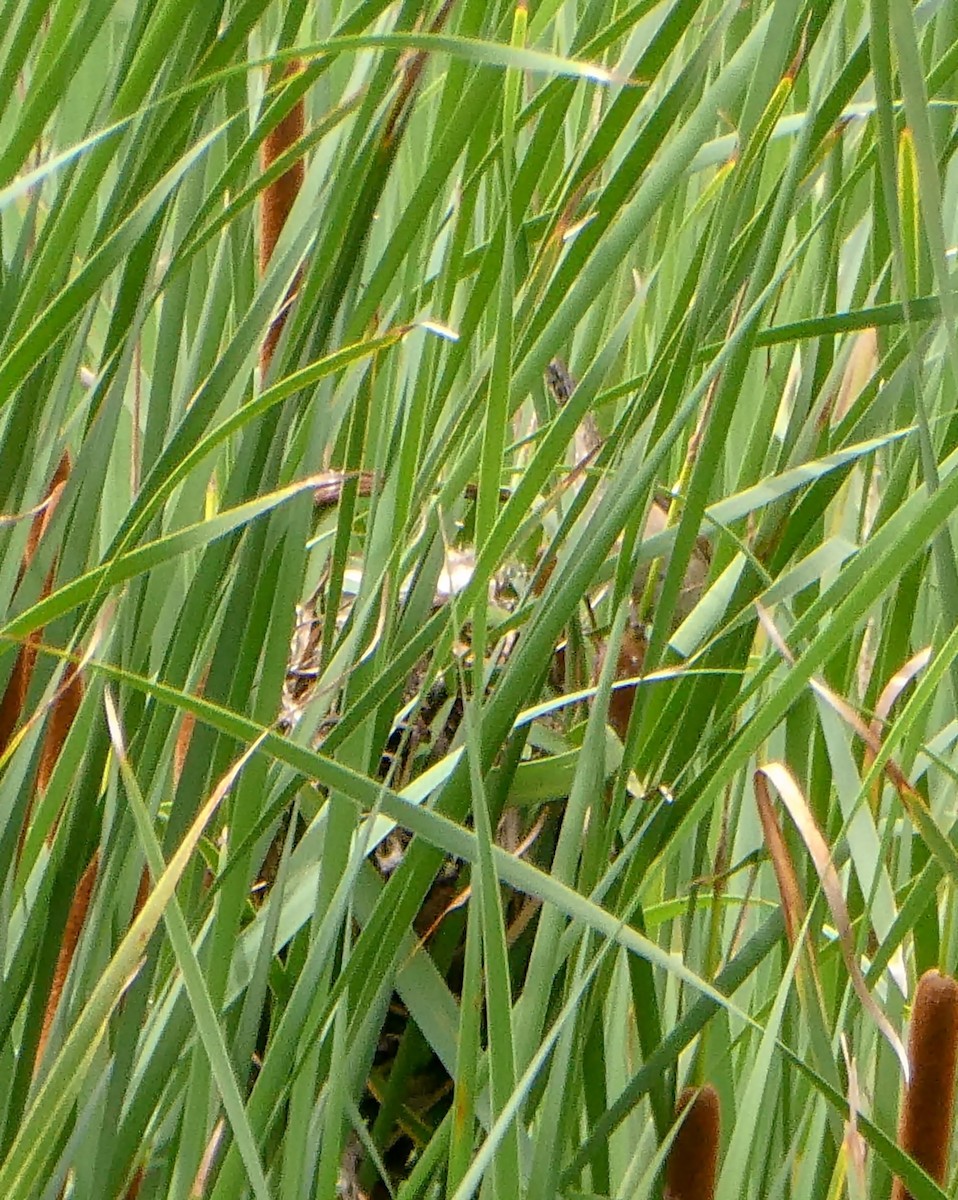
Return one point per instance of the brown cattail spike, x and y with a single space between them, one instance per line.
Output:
15 696
182 746
71 937
693 1158
924 1129
279 197
62 714
135 1184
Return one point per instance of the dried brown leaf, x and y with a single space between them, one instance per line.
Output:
783 782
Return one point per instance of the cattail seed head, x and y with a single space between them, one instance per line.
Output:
693 1158
279 196
924 1130
71 937
62 715
14 697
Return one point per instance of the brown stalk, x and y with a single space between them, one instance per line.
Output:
412 68
62 715
924 1130
278 200
142 894
71 937
185 735
135 1184
693 1157
63 711
15 695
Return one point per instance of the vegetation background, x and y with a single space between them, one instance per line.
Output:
736 223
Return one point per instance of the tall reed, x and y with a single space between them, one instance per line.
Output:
278 199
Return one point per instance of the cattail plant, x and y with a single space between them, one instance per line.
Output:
278 199
63 711
135 1184
67 699
71 937
693 1157
924 1128
15 696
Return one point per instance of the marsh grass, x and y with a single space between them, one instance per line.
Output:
735 224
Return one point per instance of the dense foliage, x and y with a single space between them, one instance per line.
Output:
419 761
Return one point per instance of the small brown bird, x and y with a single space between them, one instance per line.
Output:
586 444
